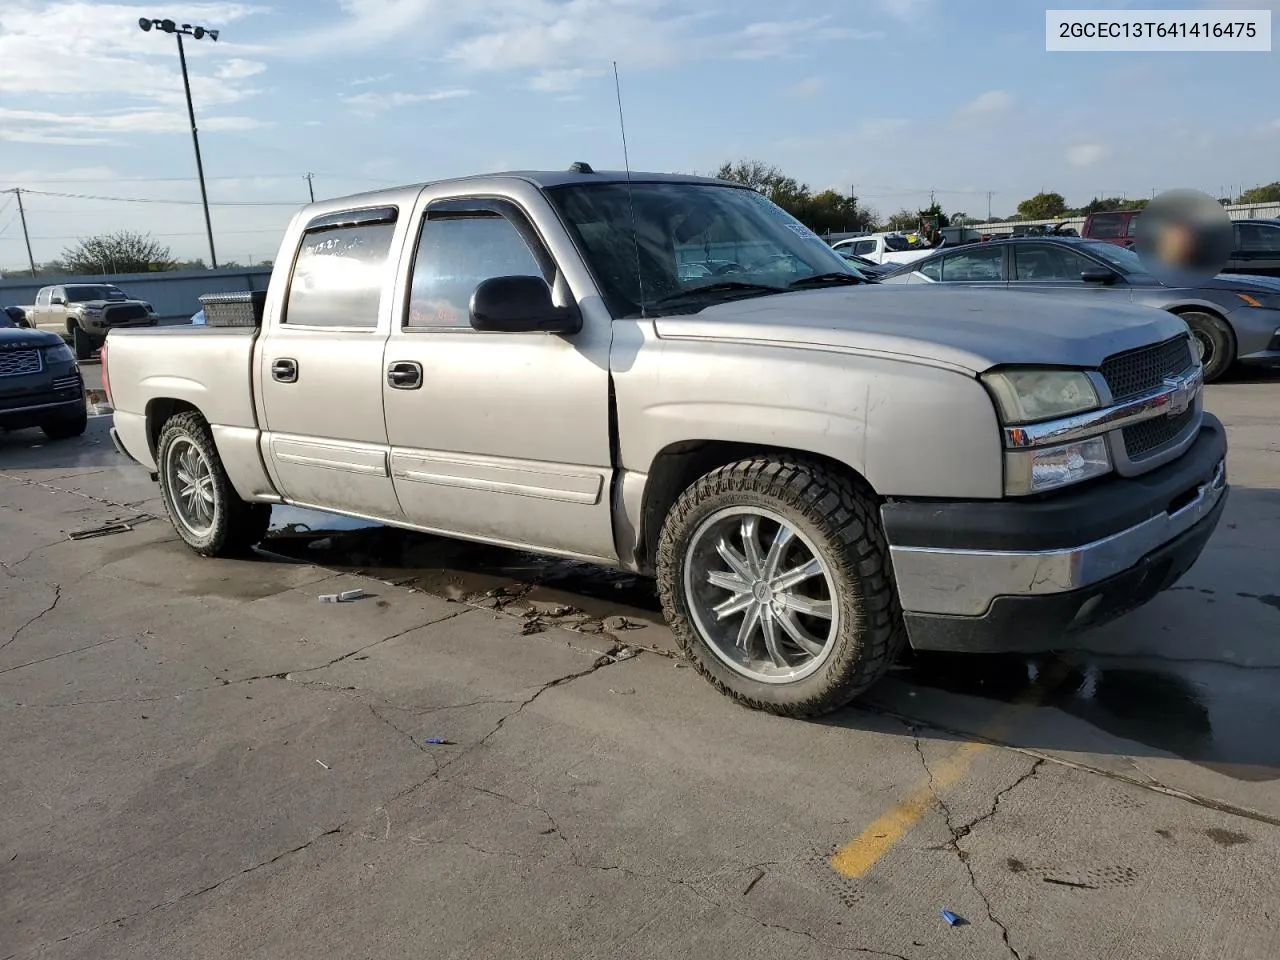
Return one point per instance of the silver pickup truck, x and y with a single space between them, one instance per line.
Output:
817 470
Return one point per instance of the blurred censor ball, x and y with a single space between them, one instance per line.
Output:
1184 237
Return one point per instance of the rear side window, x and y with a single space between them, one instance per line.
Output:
1107 226
863 247
1258 238
340 270
973 266
932 269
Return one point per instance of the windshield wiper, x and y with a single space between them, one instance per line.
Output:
821 279
723 286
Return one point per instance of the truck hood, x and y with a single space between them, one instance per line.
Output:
99 304
23 339
971 329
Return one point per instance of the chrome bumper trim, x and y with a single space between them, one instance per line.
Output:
964 582
1173 397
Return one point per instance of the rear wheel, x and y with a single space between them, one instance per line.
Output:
774 575
202 505
1215 345
81 342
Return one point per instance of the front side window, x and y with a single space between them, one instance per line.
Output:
340 270
932 269
973 266
692 244
1258 238
1042 262
864 247
456 252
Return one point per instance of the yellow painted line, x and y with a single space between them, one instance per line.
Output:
860 854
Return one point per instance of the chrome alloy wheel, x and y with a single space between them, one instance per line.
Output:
1204 347
189 482
760 594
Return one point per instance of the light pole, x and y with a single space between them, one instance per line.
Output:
198 33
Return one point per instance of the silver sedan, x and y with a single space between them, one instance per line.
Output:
1234 317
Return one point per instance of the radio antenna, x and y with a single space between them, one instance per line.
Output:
631 202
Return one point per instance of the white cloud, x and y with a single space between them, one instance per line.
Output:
1086 154
807 89
880 128
362 81
377 102
986 106
560 81
103 58
908 11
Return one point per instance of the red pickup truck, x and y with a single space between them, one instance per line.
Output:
1117 226
1255 248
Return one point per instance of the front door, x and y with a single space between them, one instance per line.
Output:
502 437
1054 268
320 368
1257 250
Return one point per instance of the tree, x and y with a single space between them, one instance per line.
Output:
824 212
1043 206
1268 194
119 252
904 219
765 178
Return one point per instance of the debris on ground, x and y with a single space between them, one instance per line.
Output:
626 653
346 596
622 623
531 626
438 742
323 764
589 626
106 530
953 918
624 693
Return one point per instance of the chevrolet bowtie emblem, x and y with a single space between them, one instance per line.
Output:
1183 392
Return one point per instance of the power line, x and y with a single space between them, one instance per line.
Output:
220 203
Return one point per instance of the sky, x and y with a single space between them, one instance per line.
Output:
889 99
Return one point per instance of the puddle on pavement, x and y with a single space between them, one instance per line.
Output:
1217 715
580 595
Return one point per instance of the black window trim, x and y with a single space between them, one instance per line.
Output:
478 206
355 217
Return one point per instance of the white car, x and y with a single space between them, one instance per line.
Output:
882 248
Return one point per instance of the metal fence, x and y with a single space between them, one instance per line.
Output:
172 294
1239 211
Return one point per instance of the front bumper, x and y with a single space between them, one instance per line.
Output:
1257 333
36 414
1014 575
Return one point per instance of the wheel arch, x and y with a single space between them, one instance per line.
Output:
159 411
678 465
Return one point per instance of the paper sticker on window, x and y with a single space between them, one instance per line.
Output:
800 230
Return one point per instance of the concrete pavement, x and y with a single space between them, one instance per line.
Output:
200 760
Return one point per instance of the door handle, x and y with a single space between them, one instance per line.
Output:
404 375
284 370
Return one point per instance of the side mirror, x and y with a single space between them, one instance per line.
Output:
1098 275
519 305
57 301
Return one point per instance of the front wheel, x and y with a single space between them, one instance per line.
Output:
775 577
65 428
1214 343
81 342
202 505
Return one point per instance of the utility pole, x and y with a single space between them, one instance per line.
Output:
989 192
199 33
310 189
22 215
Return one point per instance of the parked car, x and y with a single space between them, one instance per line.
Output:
40 384
84 313
13 317
883 248
1233 318
816 470
868 268
1119 227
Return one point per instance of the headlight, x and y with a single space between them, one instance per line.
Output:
58 354
1025 396
1047 468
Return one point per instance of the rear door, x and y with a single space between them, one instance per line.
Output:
502 437
320 367
1257 250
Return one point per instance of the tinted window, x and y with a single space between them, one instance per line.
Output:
1036 261
972 266
1107 226
5 321
863 247
456 253
339 275
1258 238
83 293
932 269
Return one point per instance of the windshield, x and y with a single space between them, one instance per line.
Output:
85 293
1122 258
728 242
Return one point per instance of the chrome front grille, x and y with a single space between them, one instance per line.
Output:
17 363
1150 436
1135 372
